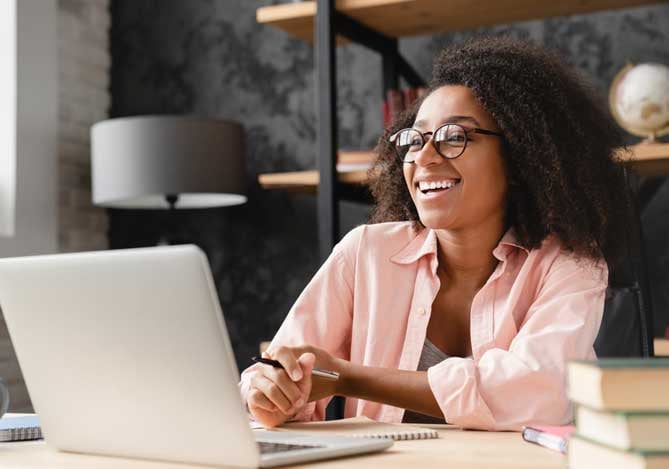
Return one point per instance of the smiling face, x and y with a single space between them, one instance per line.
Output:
470 190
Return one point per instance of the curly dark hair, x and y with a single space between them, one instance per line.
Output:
559 147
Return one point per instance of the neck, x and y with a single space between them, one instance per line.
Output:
465 255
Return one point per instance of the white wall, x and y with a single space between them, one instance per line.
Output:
36 225
36 215
7 116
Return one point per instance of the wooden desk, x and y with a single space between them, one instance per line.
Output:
455 449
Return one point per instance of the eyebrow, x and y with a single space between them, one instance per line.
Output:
450 120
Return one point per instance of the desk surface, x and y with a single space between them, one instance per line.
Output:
455 448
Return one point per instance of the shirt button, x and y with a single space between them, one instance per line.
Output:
422 311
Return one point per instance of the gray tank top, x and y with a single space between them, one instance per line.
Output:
430 356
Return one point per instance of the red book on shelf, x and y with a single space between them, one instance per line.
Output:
395 103
555 438
410 95
386 113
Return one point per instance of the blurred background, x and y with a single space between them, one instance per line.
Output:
79 62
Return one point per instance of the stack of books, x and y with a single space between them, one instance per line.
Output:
621 412
398 100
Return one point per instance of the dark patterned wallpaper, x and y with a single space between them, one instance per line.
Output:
211 58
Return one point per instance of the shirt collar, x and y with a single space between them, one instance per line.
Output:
508 243
425 243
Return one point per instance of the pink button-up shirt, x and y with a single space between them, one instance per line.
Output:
370 303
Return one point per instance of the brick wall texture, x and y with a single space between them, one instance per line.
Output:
84 99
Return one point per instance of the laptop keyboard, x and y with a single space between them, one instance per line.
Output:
268 448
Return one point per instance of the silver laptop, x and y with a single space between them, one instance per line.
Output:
125 353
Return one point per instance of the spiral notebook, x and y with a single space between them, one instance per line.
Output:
20 428
362 427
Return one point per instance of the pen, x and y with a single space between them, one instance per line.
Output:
332 375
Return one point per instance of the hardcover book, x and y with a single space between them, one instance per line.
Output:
645 431
587 454
626 384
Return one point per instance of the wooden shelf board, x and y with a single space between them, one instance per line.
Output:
648 159
306 181
398 18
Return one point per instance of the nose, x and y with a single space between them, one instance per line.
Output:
428 154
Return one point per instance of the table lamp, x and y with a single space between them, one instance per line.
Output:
168 162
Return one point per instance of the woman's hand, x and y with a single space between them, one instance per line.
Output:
319 387
276 395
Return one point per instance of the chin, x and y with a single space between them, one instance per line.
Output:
436 221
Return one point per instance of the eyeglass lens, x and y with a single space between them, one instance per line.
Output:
449 140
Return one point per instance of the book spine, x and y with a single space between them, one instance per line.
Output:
395 103
386 114
410 95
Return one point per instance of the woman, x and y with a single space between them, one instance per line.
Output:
501 205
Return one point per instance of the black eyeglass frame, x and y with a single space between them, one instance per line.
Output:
465 131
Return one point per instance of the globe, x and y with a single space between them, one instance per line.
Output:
639 99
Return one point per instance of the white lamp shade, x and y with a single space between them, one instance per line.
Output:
138 161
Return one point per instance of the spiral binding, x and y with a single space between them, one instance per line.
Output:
21 434
423 434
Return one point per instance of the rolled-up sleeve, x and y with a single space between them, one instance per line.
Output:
506 389
321 316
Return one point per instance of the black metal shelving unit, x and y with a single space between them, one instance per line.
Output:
330 23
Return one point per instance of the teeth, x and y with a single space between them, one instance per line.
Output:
424 185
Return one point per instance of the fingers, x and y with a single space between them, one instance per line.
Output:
278 389
257 399
273 393
269 418
306 362
287 390
288 359
287 386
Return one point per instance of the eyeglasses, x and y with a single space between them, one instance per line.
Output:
450 141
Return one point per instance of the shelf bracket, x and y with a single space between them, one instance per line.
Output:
384 45
390 71
328 208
